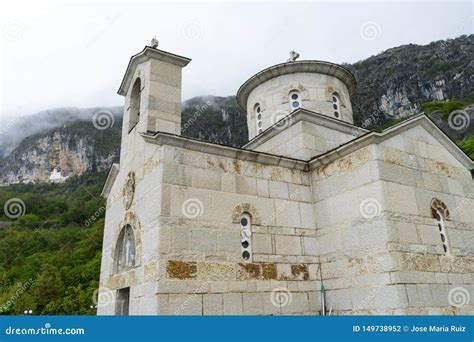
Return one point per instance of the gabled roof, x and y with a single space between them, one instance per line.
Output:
147 53
374 137
302 114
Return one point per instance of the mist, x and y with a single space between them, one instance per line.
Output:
75 55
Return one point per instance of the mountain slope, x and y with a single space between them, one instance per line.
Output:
71 150
396 82
215 119
15 129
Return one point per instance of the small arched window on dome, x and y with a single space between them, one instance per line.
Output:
440 212
258 117
135 99
295 100
125 250
336 105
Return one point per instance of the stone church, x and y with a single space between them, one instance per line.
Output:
313 215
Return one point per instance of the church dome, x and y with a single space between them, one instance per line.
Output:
277 91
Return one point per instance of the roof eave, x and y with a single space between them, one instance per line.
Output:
375 137
109 182
147 53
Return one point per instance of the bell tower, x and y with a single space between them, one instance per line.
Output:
152 90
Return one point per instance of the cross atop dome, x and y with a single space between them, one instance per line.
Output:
293 56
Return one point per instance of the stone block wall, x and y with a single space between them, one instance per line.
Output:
416 169
380 247
201 268
142 215
352 235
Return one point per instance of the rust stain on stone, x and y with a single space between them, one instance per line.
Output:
442 167
256 167
276 174
129 190
269 271
284 277
344 164
222 166
149 166
392 157
216 271
322 170
237 167
210 164
363 155
415 262
393 160
252 271
438 205
150 271
446 169
297 270
181 269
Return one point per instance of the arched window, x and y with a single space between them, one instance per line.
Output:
336 105
245 237
258 117
125 249
295 100
135 99
440 212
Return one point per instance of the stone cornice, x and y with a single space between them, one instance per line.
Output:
147 53
364 140
162 138
311 66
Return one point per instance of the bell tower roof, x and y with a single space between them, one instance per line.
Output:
149 53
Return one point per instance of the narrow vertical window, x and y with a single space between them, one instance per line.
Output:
442 231
336 105
245 237
295 101
258 118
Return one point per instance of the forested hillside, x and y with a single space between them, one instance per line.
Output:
50 255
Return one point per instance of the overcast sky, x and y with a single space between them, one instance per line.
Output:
74 54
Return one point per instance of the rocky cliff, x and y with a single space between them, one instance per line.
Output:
396 82
215 119
58 153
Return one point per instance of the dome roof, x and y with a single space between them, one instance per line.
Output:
311 66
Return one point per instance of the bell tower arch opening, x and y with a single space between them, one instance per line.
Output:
135 102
